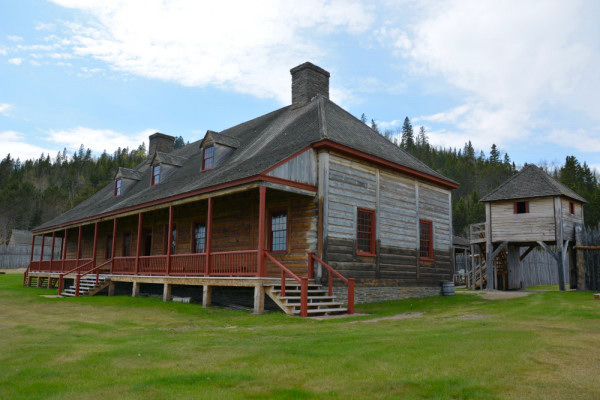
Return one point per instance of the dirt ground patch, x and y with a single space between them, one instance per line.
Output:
497 294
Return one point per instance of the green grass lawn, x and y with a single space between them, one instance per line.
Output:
546 345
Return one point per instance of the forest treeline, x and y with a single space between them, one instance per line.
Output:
35 191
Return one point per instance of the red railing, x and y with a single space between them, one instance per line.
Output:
97 269
56 265
123 266
331 272
153 265
303 284
234 263
188 264
77 270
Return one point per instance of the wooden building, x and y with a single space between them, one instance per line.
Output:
307 192
528 210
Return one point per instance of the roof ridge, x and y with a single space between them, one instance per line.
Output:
506 182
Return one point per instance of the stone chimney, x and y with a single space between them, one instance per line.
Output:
308 80
160 142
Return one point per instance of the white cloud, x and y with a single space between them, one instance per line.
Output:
97 139
5 108
15 61
581 139
15 38
3 51
511 61
44 27
13 142
247 47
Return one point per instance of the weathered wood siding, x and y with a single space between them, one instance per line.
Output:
538 224
302 168
570 220
393 196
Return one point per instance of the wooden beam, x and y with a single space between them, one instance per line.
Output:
208 247
95 248
169 241
489 249
113 246
499 249
522 257
167 292
135 289
64 250
206 296
111 289
79 244
259 299
558 228
548 249
586 247
261 231
42 250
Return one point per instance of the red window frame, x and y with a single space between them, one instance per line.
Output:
571 207
156 175
516 207
272 214
365 232
208 158
202 237
118 186
425 240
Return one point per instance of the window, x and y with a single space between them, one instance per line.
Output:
521 207
118 184
173 238
126 244
571 207
365 232
208 159
199 237
425 240
278 231
156 175
108 248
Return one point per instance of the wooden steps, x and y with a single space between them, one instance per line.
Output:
319 302
87 286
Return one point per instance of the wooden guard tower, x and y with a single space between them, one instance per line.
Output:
528 210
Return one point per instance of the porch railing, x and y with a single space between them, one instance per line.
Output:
188 264
234 263
348 281
76 270
303 284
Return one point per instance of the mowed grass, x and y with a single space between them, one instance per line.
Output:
543 346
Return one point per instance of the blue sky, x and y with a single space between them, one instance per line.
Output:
101 73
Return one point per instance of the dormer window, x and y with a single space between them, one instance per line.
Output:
156 175
208 158
118 185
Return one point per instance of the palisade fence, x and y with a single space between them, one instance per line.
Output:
18 256
591 237
539 268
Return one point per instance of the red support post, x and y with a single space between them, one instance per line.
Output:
304 297
79 245
138 244
113 245
170 240
77 283
208 236
42 251
330 283
32 249
94 250
282 283
311 270
64 250
261 232
350 295
52 251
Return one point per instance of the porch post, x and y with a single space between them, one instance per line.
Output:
138 246
64 250
94 251
42 251
261 232
208 236
79 246
170 240
32 249
113 247
52 254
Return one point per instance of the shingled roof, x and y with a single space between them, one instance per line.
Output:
531 181
260 144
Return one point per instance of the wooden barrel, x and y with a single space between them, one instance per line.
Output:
448 288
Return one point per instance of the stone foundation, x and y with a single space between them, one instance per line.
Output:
383 293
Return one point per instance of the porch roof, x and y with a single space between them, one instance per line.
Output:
263 142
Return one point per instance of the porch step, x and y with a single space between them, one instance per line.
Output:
323 311
319 302
87 286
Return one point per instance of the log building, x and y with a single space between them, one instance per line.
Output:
307 193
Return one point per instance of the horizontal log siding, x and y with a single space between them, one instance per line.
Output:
302 168
397 212
570 220
538 224
434 206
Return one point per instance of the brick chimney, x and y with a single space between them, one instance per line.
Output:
308 80
160 142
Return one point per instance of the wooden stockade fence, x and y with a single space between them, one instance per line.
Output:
539 268
590 237
18 256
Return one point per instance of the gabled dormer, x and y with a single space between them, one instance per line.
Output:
215 148
163 165
124 179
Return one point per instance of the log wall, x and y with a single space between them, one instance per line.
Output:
570 220
536 225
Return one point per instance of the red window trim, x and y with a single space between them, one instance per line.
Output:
118 187
516 209
287 229
429 257
571 207
194 223
204 168
370 253
154 174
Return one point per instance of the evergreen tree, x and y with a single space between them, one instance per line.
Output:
494 155
179 142
374 126
408 141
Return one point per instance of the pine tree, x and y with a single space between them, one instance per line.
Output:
374 126
408 141
494 155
